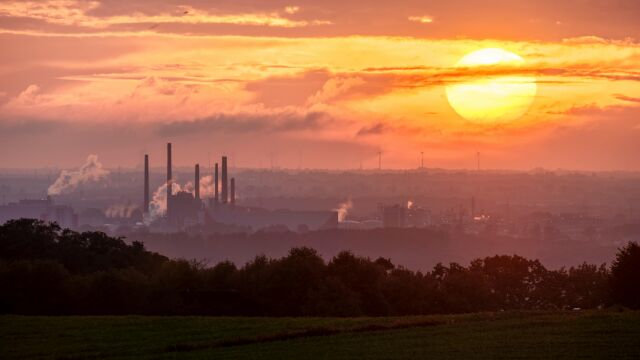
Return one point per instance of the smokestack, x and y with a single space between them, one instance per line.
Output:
225 191
233 192
145 206
197 182
473 206
169 177
215 184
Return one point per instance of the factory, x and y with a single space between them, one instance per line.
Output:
187 208
42 209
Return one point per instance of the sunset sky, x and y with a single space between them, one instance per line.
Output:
317 84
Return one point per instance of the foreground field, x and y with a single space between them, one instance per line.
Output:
584 335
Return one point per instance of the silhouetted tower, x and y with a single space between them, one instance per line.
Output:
232 189
216 196
225 183
145 207
473 207
478 159
169 177
197 182
379 160
421 159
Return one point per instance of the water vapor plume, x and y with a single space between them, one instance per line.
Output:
343 209
120 211
158 204
69 180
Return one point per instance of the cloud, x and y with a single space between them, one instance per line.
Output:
267 122
375 129
333 88
536 20
79 14
291 9
424 19
627 98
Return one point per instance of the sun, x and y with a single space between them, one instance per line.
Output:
486 95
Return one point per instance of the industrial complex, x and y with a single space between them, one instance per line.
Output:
187 208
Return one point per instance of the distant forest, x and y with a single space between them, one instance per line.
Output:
48 270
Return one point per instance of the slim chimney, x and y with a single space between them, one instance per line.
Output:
215 185
169 177
225 191
233 192
197 182
145 207
473 207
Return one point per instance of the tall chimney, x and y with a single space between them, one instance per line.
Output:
197 182
169 177
145 206
215 185
233 192
225 191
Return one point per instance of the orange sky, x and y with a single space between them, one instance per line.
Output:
321 86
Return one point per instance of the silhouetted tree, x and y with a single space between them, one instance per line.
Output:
625 276
47 270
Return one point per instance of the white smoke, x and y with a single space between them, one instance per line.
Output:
158 203
343 209
68 180
409 204
206 186
120 211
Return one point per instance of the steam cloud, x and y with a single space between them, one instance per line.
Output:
69 180
343 209
120 211
158 204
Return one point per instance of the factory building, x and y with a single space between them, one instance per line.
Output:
43 209
258 218
393 216
186 208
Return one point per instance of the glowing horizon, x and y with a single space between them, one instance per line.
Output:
302 84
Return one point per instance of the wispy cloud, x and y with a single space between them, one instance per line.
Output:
268 122
78 13
423 19
627 98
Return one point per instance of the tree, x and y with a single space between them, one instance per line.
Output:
625 276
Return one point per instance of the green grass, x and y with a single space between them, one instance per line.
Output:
509 335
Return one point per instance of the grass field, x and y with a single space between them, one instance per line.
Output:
509 335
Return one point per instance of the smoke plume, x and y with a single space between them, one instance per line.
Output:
120 211
68 180
158 204
343 209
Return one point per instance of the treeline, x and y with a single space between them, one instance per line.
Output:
47 270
